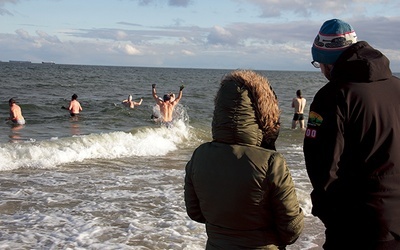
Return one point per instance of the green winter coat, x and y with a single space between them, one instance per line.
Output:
243 192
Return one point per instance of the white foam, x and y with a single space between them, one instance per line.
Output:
147 141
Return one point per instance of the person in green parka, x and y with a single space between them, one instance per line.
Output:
238 185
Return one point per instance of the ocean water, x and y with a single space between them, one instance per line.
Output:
112 178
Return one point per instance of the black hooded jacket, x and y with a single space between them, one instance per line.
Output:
352 147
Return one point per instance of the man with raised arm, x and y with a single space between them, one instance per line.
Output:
167 103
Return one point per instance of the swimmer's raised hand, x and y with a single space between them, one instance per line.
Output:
181 87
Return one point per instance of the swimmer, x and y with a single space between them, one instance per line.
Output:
74 106
298 103
167 103
131 104
15 113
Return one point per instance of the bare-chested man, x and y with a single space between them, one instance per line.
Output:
167 103
298 104
74 106
15 113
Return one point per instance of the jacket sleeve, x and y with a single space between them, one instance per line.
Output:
323 146
191 201
289 217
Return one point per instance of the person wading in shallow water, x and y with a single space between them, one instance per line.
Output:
298 103
74 106
15 113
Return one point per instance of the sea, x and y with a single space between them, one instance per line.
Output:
112 177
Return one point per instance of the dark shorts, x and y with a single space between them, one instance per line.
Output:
298 117
73 114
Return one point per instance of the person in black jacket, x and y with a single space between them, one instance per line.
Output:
352 143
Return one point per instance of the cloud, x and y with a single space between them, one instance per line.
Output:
129 24
242 44
248 40
175 3
127 49
220 36
4 11
24 34
46 37
378 31
130 50
306 8
179 3
121 35
37 40
155 36
187 52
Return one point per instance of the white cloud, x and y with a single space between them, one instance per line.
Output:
129 50
187 52
176 3
219 35
47 37
307 8
23 34
121 35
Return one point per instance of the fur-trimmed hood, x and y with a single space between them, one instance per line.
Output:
246 111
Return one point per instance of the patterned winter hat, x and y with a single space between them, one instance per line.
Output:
334 37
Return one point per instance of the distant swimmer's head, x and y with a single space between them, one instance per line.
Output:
166 98
11 101
74 97
129 98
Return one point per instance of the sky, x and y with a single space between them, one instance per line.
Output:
217 34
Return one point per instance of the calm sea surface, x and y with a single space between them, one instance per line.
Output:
112 178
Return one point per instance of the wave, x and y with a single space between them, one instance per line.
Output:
140 142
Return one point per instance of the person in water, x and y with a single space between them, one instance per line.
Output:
167 103
298 103
131 104
15 113
74 106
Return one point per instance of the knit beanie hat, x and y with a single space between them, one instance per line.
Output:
334 37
